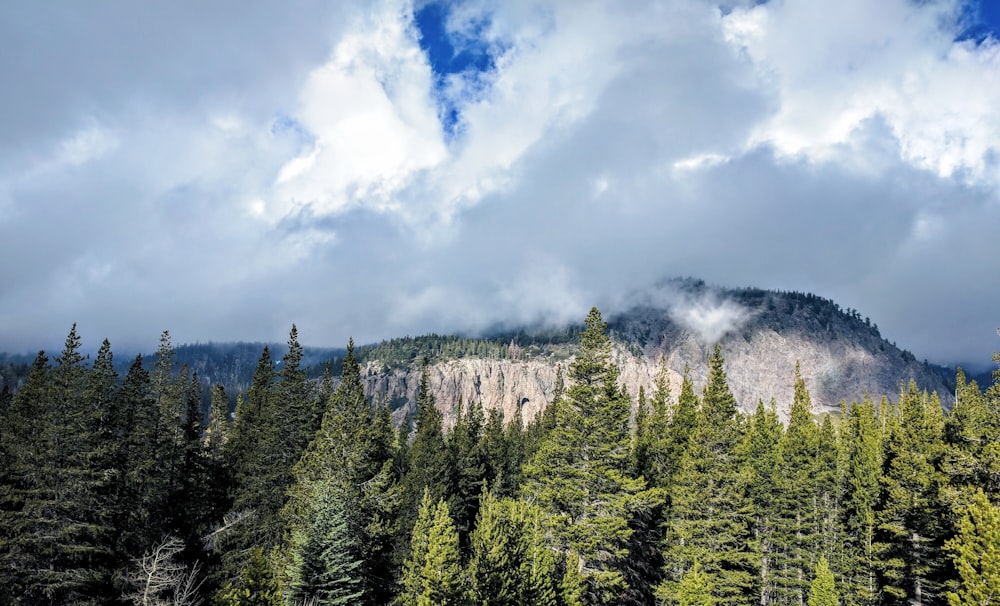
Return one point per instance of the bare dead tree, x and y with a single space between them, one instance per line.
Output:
159 579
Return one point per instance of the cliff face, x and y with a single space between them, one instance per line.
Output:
505 385
841 357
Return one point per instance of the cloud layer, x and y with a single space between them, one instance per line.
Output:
226 177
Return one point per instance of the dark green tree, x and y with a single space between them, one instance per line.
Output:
429 463
468 464
353 452
581 473
710 516
325 558
796 510
913 520
762 470
861 491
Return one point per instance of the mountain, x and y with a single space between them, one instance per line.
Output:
762 333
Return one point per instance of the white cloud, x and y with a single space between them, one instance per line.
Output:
835 64
297 170
371 112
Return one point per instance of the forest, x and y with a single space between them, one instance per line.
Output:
121 490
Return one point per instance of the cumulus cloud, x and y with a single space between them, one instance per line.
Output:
293 166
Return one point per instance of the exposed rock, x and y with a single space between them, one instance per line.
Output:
841 358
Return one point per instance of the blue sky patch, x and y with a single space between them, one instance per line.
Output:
450 54
980 20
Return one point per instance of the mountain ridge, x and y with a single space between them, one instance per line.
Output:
763 334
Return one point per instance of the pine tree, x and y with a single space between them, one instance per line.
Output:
256 584
695 588
822 591
139 497
468 463
827 496
654 453
325 563
796 510
762 469
61 532
861 492
443 582
353 452
412 580
580 473
429 464
912 517
256 496
21 448
710 517
975 551
510 563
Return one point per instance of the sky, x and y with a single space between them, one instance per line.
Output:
389 167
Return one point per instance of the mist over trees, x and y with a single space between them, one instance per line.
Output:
141 487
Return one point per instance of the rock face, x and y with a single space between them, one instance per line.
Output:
505 385
841 358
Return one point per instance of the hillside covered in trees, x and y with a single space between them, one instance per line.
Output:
117 489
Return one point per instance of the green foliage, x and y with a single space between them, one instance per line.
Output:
913 519
796 509
580 475
510 562
975 551
429 461
255 586
56 546
325 555
432 574
711 516
352 452
695 588
822 591
861 491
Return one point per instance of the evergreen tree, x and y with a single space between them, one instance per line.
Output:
510 563
861 491
353 452
429 464
60 530
710 517
913 520
653 452
256 496
443 582
695 588
580 473
465 449
412 584
168 391
21 449
139 498
796 510
975 551
827 496
762 470
822 591
256 584
683 420
325 556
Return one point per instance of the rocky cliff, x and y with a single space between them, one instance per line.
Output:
763 334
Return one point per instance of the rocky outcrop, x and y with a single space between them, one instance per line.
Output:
841 358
